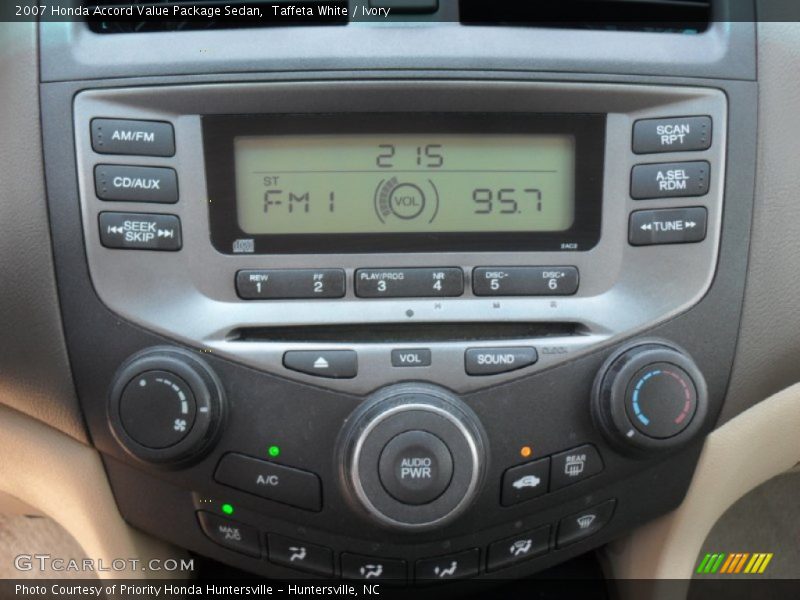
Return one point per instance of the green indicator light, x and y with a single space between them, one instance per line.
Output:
274 451
227 509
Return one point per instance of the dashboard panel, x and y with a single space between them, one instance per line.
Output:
325 402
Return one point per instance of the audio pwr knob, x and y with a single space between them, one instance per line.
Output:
413 457
649 397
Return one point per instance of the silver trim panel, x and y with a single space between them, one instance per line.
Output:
190 295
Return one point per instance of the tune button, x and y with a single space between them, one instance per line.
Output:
416 467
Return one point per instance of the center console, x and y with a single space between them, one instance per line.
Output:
406 330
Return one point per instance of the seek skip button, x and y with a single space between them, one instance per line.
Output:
491 361
271 481
136 231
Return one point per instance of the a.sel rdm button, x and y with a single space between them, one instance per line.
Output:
273 284
125 136
231 534
525 281
136 184
670 180
271 481
491 361
667 226
671 135
415 467
136 231
409 283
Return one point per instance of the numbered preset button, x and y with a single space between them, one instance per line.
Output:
525 281
276 284
409 283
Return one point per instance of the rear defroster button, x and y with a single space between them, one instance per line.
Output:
491 361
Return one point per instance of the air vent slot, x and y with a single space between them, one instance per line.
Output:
140 16
658 16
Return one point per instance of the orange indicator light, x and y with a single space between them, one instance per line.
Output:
525 451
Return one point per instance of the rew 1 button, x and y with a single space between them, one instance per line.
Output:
415 467
491 361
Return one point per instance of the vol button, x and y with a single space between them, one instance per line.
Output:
416 467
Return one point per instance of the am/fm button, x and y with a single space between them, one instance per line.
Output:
491 361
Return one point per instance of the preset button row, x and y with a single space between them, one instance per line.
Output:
288 284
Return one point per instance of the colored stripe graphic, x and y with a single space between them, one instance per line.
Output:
735 563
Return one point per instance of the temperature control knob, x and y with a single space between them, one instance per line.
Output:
165 406
649 397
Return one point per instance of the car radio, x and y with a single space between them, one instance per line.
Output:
441 308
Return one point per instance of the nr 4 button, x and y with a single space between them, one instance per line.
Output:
525 482
271 481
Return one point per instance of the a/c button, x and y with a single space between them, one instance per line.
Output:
271 481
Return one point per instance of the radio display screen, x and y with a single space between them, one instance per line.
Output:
411 182
404 183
